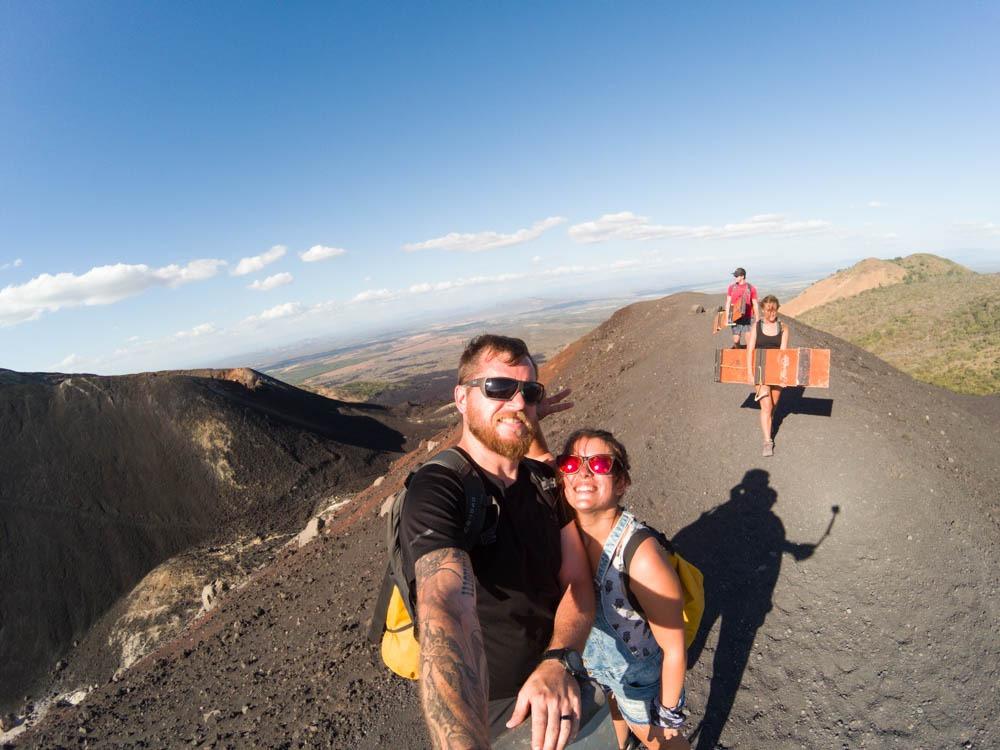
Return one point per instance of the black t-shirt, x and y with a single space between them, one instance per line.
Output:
517 574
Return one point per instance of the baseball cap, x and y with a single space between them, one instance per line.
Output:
740 272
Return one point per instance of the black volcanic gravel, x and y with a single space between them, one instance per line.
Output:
882 633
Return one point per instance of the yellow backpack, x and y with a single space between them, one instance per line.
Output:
692 580
393 625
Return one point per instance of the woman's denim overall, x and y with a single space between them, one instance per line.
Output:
621 653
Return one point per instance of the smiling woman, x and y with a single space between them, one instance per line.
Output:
636 649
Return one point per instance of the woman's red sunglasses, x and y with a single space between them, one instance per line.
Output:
602 463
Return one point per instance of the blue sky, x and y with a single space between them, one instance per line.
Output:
184 182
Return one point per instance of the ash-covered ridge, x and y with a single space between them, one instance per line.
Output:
105 478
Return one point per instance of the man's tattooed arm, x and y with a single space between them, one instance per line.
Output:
454 682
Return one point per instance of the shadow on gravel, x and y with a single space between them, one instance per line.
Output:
793 402
738 546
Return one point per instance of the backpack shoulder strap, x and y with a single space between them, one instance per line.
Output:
476 498
543 479
475 518
638 537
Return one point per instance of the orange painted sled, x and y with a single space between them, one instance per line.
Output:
807 367
720 321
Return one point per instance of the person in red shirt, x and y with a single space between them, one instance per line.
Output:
741 303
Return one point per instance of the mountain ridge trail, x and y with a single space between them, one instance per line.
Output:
851 579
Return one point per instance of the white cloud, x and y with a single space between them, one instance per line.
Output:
256 262
629 226
68 361
479 241
373 295
503 278
536 259
876 204
444 286
625 263
321 252
102 285
981 226
16 263
196 270
200 330
278 311
271 282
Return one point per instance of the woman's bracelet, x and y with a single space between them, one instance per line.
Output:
672 718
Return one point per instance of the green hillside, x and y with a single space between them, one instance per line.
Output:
941 325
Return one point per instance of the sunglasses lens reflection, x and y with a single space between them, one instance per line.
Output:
569 464
533 392
500 388
600 464
503 389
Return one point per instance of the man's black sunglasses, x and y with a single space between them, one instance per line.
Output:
503 389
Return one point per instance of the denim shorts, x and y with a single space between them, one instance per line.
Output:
738 328
634 690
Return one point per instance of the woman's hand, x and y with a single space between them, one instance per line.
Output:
554 404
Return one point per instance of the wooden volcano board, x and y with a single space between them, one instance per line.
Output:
807 367
719 321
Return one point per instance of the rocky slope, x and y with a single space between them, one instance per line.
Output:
851 579
105 478
870 273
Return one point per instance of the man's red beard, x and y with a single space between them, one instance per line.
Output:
485 432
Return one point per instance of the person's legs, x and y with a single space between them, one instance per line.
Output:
656 738
738 330
621 728
766 408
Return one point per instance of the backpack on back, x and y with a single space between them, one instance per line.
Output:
394 620
742 306
692 580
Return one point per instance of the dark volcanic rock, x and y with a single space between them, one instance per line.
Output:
102 478
875 626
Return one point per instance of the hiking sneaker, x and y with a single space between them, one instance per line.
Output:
768 447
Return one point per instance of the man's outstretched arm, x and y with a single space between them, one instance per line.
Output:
454 681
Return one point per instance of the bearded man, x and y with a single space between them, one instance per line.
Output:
501 624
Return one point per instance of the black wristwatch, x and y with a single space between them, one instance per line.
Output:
569 658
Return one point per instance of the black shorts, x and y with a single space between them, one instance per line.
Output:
594 709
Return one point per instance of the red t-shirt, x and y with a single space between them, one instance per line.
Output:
738 293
